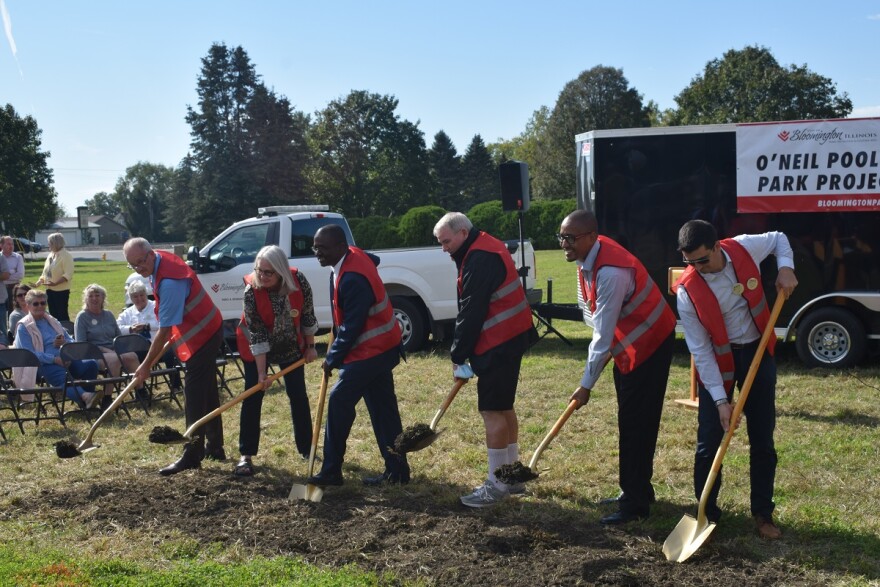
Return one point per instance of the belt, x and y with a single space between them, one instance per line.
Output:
745 345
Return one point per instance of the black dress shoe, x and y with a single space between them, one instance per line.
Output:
187 461
621 517
619 498
610 500
323 479
386 477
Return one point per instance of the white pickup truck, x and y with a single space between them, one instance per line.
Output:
420 281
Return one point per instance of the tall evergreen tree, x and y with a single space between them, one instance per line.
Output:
219 146
480 181
444 166
278 149
180 199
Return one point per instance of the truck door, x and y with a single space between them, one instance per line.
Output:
224 263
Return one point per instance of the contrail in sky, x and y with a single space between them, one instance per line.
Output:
7 27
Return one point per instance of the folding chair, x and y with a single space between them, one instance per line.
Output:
68 326
82 351
139 345
12 360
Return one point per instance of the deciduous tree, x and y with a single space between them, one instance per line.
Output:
599 98
749 85
365 159
27 196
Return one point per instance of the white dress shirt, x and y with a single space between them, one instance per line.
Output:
614 285
738 320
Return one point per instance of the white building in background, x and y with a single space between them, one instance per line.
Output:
73 235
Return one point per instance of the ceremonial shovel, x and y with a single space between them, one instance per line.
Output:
691 533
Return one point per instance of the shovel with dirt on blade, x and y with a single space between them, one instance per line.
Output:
515 473
65 449
690 533
168 435
420 436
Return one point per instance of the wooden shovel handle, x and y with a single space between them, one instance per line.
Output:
319 416
572 406
120 397
459 383
741 401
241 397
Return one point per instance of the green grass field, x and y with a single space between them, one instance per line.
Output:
827 489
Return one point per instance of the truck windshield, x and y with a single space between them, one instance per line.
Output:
302 234
241 246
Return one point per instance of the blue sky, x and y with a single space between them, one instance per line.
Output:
109 81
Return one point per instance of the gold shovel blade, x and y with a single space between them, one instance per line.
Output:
305 493
686 538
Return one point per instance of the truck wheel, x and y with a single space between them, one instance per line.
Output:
831 337
413 329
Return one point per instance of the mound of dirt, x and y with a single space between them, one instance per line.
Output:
404 530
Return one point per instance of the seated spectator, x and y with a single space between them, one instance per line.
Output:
136 278
97 325
43 335
19 310
140 318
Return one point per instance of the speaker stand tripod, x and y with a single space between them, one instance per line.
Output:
523 273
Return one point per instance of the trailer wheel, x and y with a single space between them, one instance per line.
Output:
413 327
831 337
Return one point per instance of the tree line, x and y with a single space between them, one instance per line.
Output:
250 147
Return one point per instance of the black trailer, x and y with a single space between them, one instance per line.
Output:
643 184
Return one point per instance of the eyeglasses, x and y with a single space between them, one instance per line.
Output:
134 266
700 261
265 272
319 248
570 238
38 304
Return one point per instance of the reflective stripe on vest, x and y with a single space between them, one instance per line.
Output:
509 314
645 320
201 318
381 331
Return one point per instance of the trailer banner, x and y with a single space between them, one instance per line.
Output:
808 166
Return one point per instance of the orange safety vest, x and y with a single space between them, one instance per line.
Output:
645 320
709 312
264 309
381 331
509 314
201 318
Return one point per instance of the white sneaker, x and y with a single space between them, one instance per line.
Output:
486 495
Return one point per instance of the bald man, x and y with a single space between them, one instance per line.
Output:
634 326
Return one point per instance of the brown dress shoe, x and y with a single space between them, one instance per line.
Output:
767 529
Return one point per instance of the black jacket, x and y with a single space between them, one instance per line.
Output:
483 273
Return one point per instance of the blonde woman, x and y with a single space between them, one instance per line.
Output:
97 325
57 277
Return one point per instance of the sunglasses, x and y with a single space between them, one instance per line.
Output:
700 261
20 295
38 304
569 238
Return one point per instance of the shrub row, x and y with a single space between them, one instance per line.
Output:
415 228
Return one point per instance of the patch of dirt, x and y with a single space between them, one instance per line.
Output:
404 530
